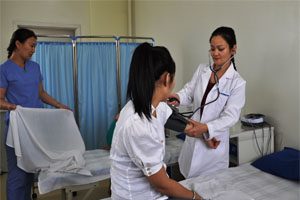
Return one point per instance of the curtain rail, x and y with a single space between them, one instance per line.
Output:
56 36
136 37
97 36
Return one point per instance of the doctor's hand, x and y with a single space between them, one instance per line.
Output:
213 143
195 129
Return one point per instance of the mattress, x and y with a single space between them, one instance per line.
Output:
97 161
243 182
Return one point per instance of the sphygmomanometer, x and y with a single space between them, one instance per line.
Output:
176 121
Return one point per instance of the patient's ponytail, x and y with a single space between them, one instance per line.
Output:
147 65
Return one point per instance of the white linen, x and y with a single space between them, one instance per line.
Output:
97 162
233 195
138 150
47 140
246 180
215 190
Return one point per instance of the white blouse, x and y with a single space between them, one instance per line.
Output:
138 149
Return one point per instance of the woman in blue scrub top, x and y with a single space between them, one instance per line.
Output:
21 84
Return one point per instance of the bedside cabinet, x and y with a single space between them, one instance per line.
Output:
250 143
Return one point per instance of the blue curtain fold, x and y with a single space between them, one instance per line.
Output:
97 82
126 51
55 59
97 90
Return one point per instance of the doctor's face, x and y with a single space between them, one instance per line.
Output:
220 51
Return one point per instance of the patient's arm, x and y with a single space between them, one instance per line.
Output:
166 186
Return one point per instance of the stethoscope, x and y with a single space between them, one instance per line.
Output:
191 113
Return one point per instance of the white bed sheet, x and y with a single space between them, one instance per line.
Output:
47 140
97 161
246 180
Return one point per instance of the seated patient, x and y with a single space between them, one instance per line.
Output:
138 145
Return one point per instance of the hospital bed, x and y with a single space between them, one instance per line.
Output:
247 182
48 141
98 162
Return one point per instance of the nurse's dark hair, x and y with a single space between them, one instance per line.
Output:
21 35
228 35
147 65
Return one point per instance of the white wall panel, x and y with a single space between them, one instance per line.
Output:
267 57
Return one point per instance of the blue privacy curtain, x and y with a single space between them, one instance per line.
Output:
55 59
126 51
97 90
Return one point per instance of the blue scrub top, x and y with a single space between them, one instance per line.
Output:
21 84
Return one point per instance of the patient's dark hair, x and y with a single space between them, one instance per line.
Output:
21 35
228 35
147 65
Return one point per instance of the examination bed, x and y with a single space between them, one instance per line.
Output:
98 162
47 142
247 182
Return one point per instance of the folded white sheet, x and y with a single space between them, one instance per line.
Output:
47 140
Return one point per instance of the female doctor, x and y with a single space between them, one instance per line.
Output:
217 92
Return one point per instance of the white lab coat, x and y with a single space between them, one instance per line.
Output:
195 157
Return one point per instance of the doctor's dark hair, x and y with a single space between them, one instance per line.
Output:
147 65
228 35
21 35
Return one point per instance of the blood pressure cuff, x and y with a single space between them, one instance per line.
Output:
176 122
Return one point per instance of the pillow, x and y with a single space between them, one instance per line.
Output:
284 163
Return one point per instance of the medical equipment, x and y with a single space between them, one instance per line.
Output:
256 120
176 121
253 119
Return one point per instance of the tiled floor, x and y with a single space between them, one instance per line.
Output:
99 193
